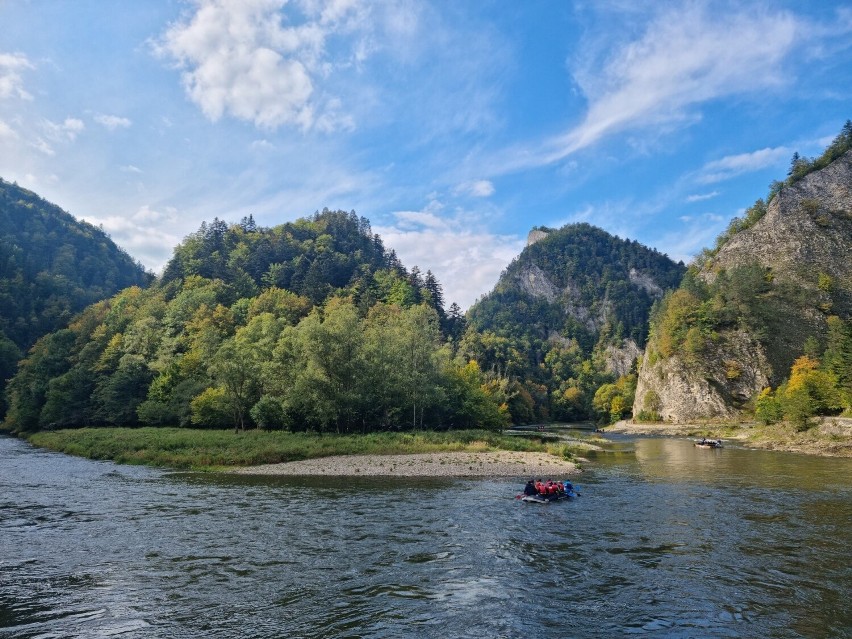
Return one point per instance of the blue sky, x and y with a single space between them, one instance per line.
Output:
454 127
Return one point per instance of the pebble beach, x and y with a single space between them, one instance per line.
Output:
449 464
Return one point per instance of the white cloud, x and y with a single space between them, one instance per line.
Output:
732 165
476 188
7 132
333 119
39 144
411 220
112 122
701 197
11 82
56 133
247 60
66 131
131 169
149 235
465 257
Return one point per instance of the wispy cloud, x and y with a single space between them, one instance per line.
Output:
11 81
66 131
696 233
112 122
687 56
701 197
732 165
476 188
7 131
40 145
684 57
55 133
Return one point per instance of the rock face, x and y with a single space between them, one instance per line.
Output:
533 281
806 232
619 361
679 390
646 282
803 242
535 235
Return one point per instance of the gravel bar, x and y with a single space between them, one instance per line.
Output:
450 464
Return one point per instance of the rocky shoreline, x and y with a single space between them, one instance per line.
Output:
829 437
449 464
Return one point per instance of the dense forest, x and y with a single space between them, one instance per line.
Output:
354 343
51 267
316 325
555 311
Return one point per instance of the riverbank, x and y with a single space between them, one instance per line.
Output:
449 464
424 453
829 437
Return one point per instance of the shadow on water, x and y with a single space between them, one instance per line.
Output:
667 540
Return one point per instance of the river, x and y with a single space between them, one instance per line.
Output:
666 540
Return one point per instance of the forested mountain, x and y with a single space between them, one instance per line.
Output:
567 320
355 342
51 267
315 324
769 306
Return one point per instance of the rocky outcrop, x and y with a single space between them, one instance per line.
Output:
806 231
804 243
619 360
535 235
533 281
716 386
645 281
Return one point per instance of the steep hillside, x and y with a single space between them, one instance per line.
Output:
51 267
576 282
307 325
572 311
764 298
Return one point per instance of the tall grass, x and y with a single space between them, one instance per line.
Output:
214 449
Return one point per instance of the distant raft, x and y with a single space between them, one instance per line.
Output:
709 443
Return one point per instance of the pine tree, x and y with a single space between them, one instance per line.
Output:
436 293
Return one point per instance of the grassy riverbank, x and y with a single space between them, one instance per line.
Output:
218 449
829 437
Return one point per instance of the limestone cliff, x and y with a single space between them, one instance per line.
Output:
578 285
801 248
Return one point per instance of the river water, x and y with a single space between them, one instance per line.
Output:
666 540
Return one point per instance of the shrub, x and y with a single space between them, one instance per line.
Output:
268 414
767 407
211 409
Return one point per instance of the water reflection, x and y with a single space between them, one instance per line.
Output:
667 540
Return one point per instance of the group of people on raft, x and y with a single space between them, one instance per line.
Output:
549 489
709 443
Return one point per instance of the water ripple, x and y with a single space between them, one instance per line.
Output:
657 546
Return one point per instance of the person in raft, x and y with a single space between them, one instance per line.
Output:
549 488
